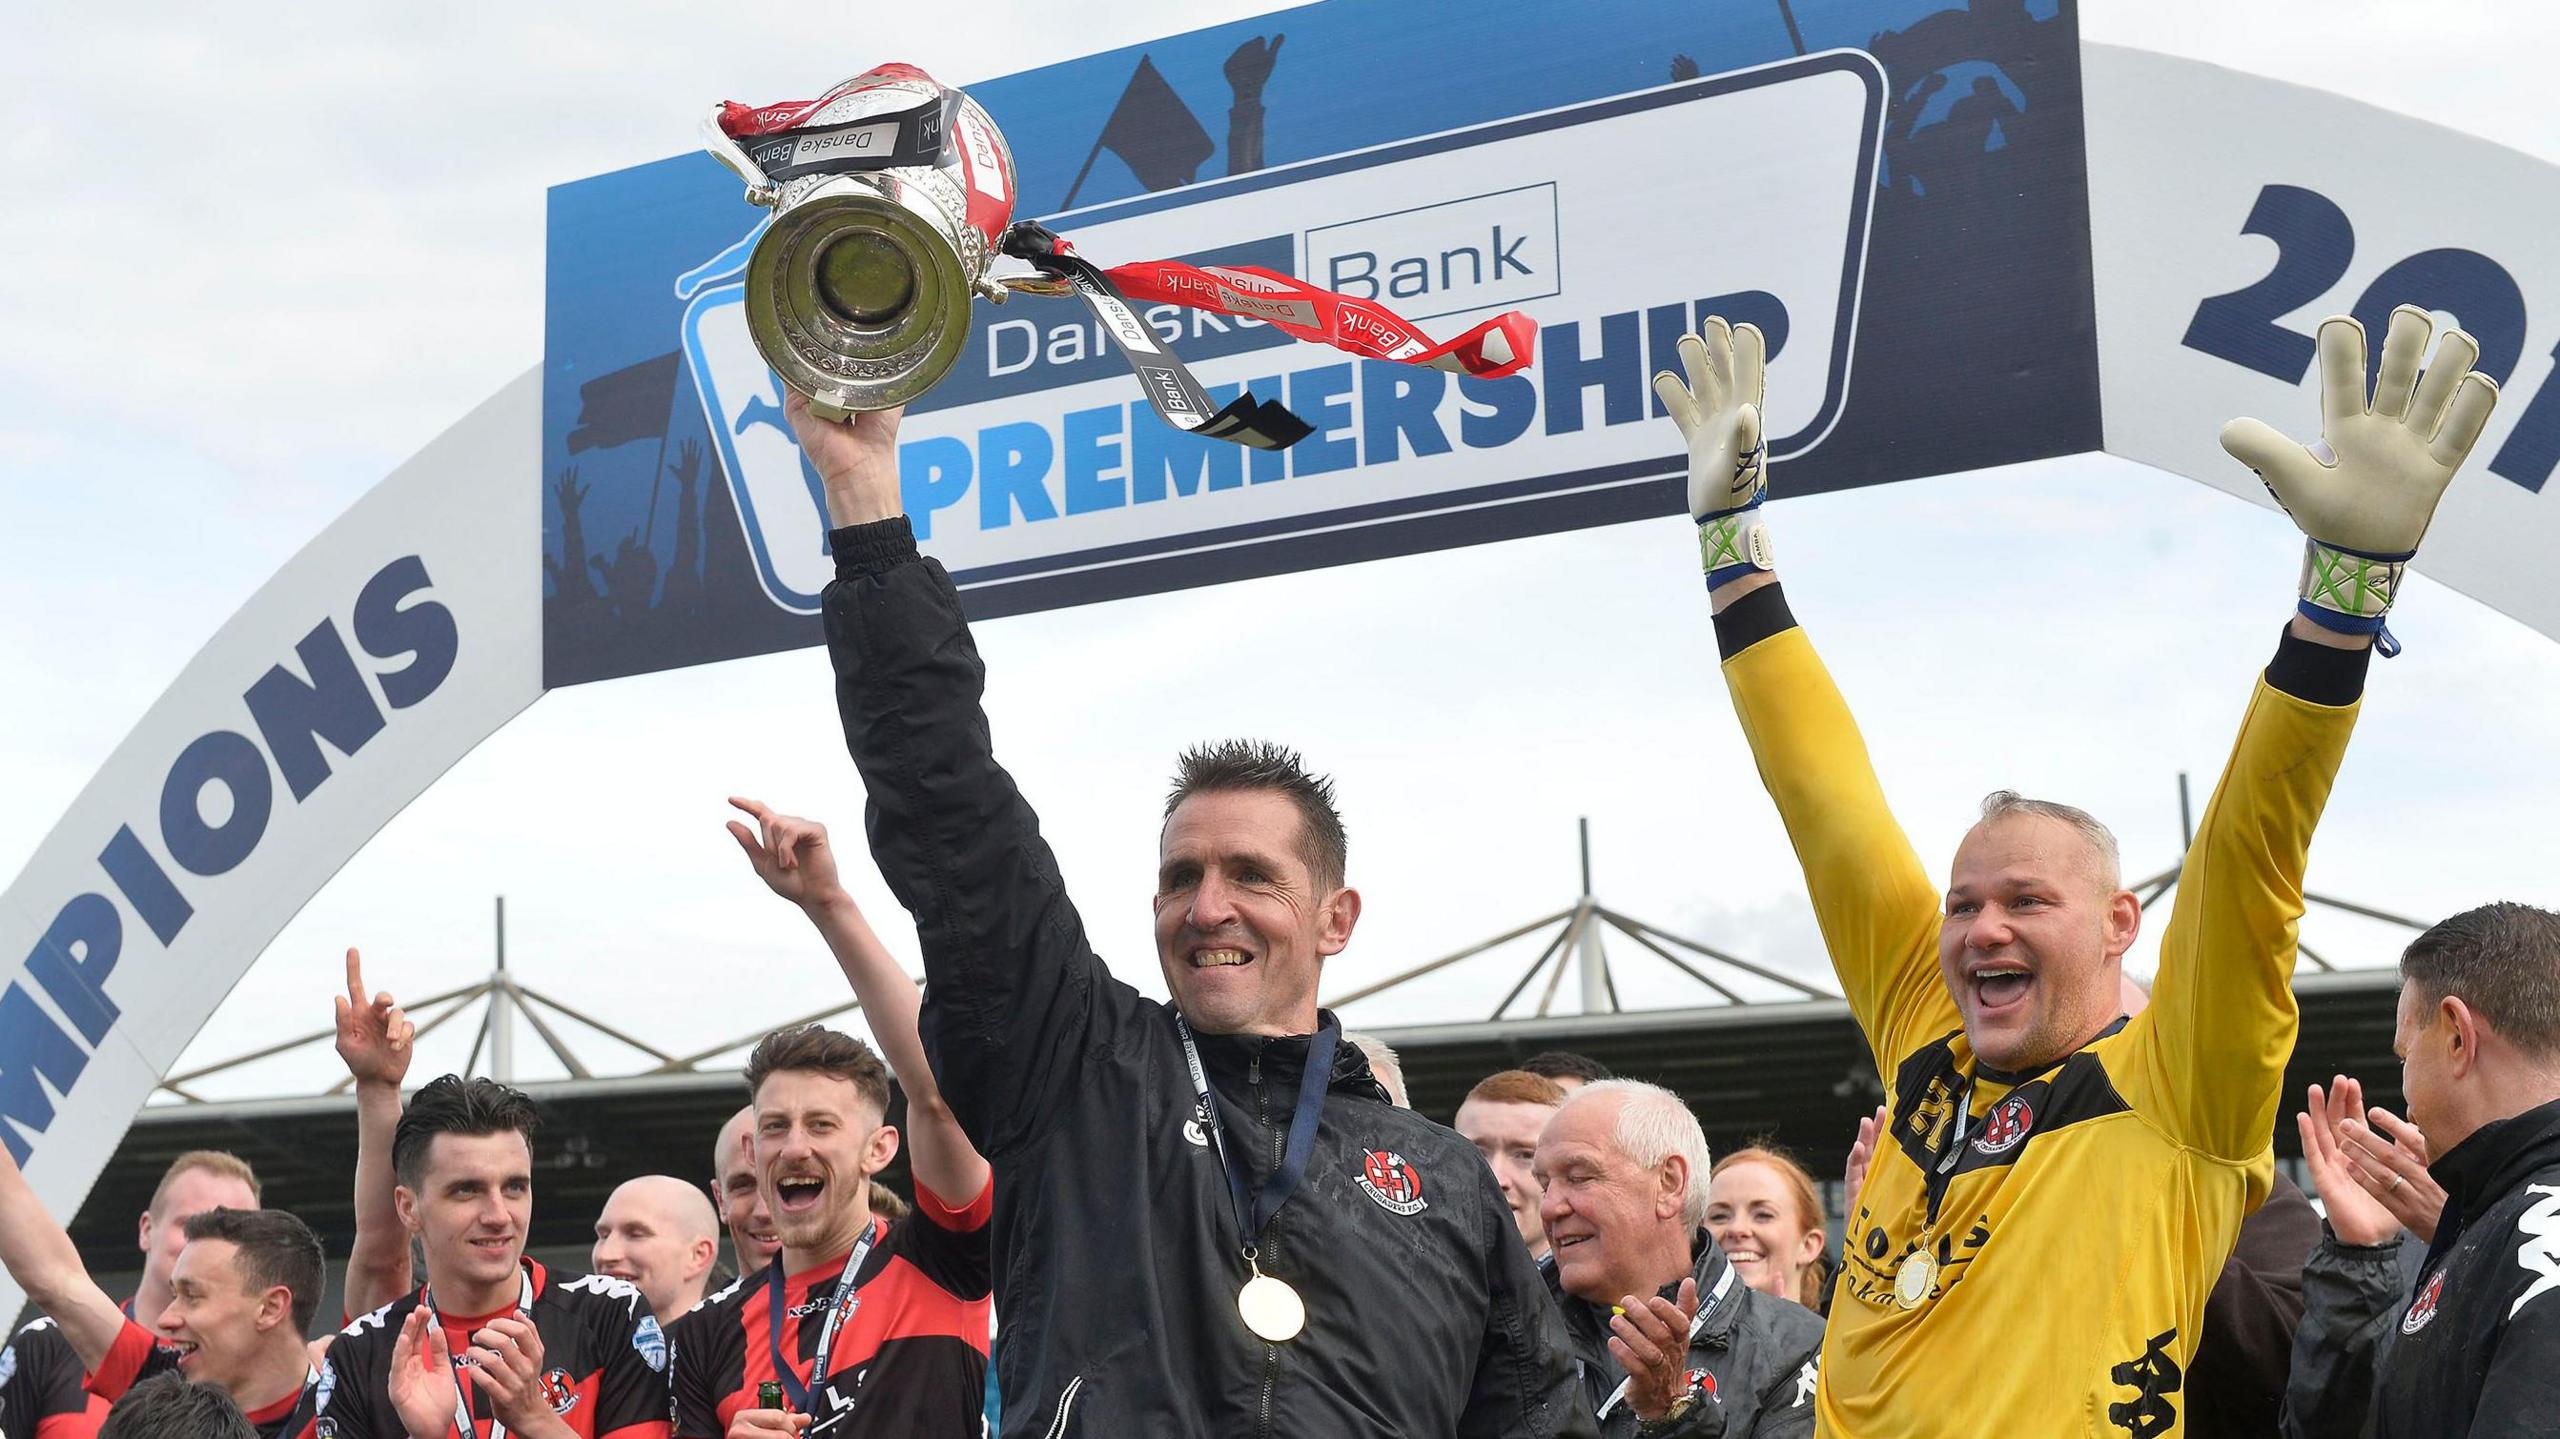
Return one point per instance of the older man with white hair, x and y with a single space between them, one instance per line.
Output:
1670 1344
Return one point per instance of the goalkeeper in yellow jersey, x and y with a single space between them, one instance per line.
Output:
2060 1185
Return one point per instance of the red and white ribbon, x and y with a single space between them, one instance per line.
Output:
1500 346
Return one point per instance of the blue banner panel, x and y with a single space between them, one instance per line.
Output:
1894 190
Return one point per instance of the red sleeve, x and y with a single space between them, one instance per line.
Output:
968 1219
127 1361
78 1424
951 1247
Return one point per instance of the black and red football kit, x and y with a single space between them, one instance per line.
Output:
909 1353
40 1391
604 1363
138 1354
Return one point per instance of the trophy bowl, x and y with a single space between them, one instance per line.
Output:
889 195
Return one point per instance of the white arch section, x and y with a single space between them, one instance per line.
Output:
410 629
2348 201
400 637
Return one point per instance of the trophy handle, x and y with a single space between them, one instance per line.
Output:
760 191
1032 284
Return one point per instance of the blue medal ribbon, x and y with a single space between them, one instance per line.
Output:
1255 1209
840 1307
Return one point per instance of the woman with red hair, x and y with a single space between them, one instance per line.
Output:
1765 1214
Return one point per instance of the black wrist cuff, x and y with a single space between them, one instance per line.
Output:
876 548
2319 673
1751 619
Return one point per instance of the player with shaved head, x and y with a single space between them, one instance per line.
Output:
658 1233
752 1242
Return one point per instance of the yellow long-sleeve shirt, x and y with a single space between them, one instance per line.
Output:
2042 1269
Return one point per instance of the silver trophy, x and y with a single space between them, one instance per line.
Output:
890 194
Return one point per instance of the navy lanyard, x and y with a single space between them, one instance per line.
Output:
293 1421
462 1421
847 1298
1254 1210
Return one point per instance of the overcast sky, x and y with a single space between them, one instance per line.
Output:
259 255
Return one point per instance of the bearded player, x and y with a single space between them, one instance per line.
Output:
2060 1186
867 1327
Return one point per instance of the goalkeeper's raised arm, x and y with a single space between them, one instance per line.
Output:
1877 907
2211 1057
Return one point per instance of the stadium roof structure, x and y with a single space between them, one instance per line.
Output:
1794 1069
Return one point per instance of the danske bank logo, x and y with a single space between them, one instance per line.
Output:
1484 252
1039 461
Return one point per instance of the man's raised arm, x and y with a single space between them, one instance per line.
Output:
1876 905
40 1257
374 1038
1014 992
792 856
2222 1020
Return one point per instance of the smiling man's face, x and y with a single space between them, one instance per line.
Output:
2032 944
740 1200
1243 921
473 1207
1609 1221
213 1316
818 1141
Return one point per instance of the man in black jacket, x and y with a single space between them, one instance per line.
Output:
2475 1350
1670 1342
1217 1227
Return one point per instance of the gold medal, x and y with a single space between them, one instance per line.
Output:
1271 1308
1912 1282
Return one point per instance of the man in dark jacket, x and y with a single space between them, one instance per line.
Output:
1670 1342
2475 1349
2235 1387
1217 1227
2352 1293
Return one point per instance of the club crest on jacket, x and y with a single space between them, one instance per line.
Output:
1392 1181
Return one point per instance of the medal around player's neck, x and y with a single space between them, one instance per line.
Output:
1268 1306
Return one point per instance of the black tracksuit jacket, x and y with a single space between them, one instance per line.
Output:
2473 1352
1117 1256
1760 1357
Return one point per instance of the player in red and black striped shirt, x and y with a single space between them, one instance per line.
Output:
871 1328
41 1396
242 1292
243 1295
563 1355
493 1342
